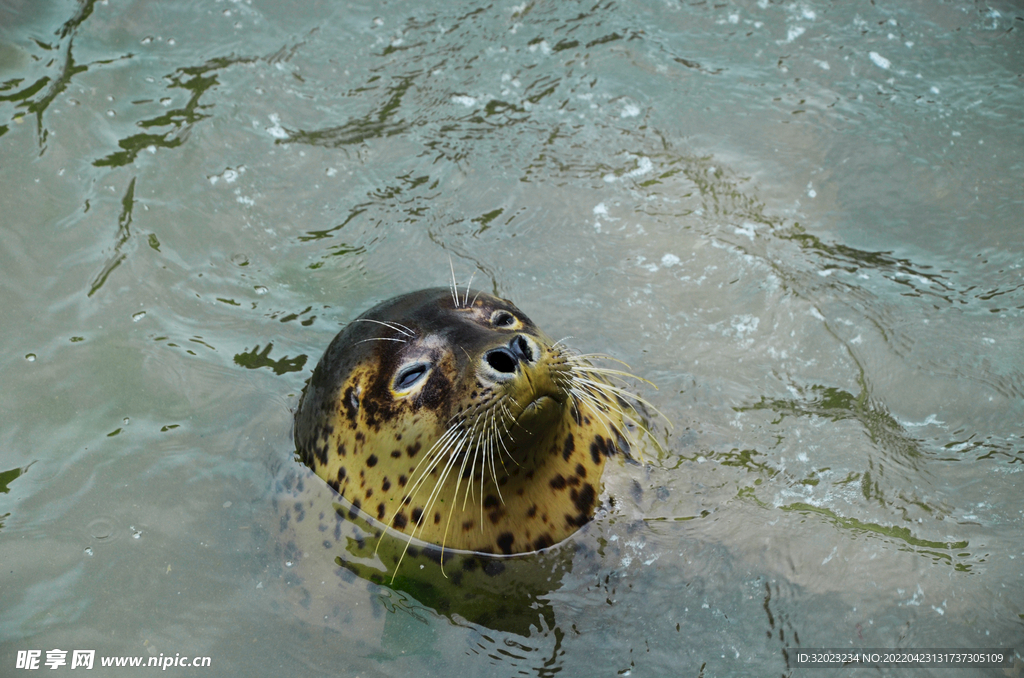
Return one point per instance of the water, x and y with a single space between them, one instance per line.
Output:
800 220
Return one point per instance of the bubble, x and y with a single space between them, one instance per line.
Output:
101 529
31 357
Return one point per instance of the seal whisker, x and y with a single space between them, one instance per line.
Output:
601 411
619 374
492 454
508 434
451 511
601 414
559 343
454 285
390 325
472 275
584 357
618 390
400 341
450 459
432 458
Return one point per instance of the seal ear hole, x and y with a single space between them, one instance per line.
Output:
410 375
502 319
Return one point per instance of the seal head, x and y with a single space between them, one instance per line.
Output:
456 421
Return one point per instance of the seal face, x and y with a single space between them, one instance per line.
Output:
456 421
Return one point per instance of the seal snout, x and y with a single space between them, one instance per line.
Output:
505 360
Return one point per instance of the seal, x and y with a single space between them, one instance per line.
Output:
452 419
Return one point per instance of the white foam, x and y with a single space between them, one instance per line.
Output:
879 60
276 131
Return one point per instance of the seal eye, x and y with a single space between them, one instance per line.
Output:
502 319
408 376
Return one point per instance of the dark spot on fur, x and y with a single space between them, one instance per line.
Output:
583 499
542 542
437 517
354 511
558 482
532 512
434 393
395 454
569 447
581 471
369 492
574 481
490 501
320 448
372 460
505 541
341 473
400 521
467 525
601 447
386 485
413 450
402 480
333 484
380 511
417 514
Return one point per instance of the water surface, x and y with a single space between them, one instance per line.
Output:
800 220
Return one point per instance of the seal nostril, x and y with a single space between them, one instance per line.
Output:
521 348
502 360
